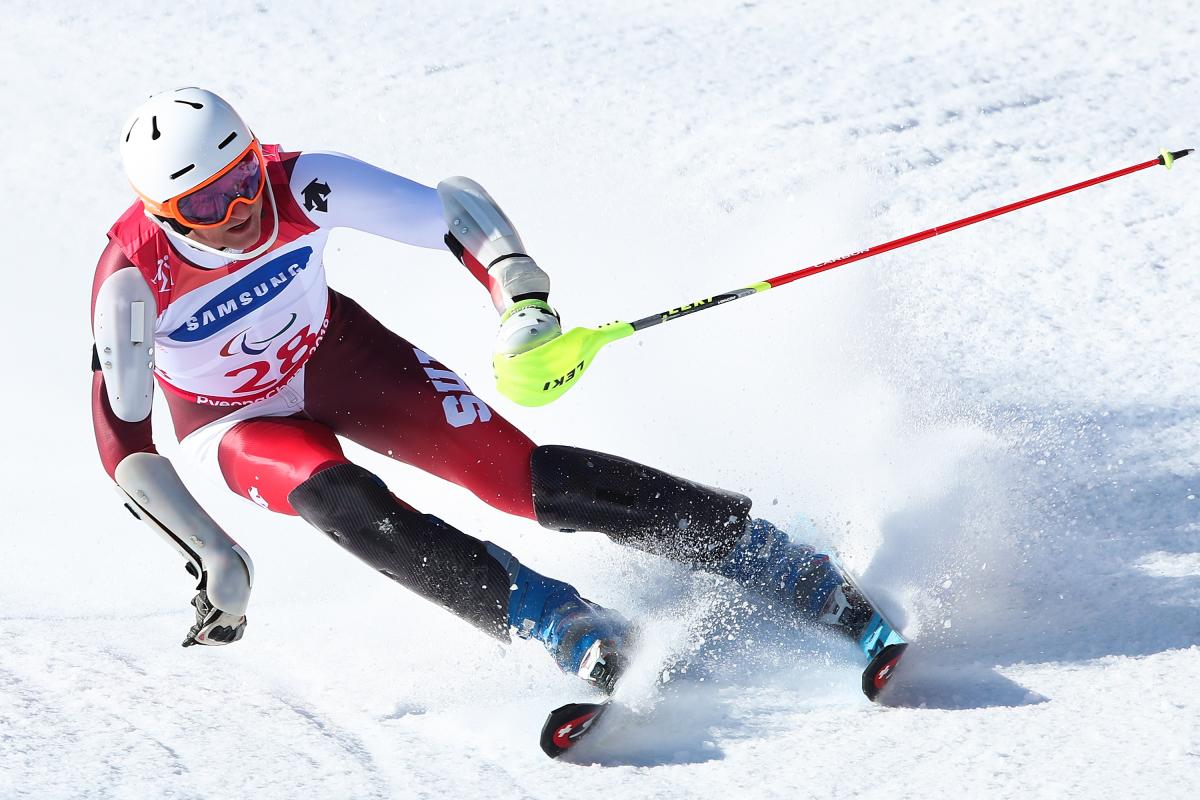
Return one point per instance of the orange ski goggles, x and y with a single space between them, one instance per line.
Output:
211 204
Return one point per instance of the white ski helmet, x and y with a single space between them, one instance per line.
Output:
178 139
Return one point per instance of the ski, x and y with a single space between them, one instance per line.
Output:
567 725
849 608
877 637
879 670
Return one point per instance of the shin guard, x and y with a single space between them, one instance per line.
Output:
418 551
576 489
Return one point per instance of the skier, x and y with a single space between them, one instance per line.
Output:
212 282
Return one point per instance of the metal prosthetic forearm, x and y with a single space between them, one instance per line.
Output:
577 489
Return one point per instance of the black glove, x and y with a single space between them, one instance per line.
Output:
213 626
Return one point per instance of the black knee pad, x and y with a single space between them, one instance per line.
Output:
576 489
416 550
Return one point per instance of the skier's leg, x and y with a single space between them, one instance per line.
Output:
296 466
373 387
419 551
709 528
265 458
636 505
479 581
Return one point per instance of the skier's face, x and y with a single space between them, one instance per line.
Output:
243 229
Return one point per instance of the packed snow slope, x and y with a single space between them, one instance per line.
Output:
998 429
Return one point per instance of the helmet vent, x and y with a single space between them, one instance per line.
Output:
154 132
227 140
194 105
186 169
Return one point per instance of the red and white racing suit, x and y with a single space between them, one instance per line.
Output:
264 366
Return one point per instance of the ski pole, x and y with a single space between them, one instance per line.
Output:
545 373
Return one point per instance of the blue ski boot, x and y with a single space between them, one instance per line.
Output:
584 638
799 577
804 581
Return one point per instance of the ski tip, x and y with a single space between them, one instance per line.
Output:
1168 157
880 670
567 725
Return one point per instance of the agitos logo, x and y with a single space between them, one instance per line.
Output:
248 294
248 347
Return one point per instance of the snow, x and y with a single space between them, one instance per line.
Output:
998 429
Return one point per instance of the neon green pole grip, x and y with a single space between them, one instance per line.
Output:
545 373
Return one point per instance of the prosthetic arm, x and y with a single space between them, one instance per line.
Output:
123 324
485 240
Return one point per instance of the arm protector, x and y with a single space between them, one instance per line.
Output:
156 495
123 324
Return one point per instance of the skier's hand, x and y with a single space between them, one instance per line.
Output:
213 626
525 325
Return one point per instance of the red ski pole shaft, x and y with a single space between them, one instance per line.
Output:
938 230
1166 159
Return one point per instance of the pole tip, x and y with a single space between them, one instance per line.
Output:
1168 157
